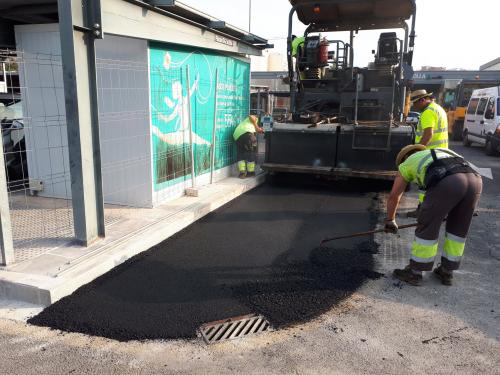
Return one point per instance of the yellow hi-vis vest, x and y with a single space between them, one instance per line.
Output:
298 41
246 126
414 168
433 117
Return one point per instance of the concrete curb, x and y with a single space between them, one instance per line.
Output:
44 290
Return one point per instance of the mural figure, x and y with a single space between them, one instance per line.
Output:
179 115
170 110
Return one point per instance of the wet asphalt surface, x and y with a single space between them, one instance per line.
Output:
257 254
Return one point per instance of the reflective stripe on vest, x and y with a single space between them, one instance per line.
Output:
435 144
420 134
423 162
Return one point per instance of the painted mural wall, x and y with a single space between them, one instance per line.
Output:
173 104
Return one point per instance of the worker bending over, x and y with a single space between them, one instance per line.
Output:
453 190
432 128
246 144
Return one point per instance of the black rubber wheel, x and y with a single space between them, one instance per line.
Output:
458 128
296 118
489 149
465 140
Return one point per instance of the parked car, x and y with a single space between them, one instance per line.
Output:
14 145
413 118
482 120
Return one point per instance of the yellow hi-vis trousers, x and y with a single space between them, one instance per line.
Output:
242 166
454 197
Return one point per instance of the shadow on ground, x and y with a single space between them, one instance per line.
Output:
257 254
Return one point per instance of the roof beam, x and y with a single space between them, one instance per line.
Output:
161 3
30 18
128 18
216 24
30 10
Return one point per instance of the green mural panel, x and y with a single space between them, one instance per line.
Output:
170 109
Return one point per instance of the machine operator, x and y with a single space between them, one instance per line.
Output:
296 43
246 144
453 190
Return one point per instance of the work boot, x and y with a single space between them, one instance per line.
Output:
243 175
445 276
407 275
251 174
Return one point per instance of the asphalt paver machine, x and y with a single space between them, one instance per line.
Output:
346 121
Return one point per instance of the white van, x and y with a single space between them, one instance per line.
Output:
482 120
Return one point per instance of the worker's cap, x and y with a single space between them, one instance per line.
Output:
407 151
255 118
419 94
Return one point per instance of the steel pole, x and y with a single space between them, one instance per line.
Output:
249 15
191 146
6 243
80 93
214 129
356 100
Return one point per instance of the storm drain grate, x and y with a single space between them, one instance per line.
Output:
234 328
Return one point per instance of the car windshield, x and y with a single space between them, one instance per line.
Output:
11 112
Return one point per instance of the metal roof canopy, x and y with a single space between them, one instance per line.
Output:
346 15
45 11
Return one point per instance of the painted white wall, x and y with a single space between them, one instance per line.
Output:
494 67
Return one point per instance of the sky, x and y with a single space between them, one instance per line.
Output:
450 33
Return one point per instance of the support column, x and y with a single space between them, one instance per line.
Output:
80 92
6 244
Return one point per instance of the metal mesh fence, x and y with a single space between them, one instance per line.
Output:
171 116
153 121
170 127
35 151
122 86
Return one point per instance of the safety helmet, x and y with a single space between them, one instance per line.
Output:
419 94
407 151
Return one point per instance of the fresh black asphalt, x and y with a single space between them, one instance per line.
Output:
257 254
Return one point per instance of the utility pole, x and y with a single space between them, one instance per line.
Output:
249 14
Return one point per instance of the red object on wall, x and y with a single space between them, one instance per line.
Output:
323 51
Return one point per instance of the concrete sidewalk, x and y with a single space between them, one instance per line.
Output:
57 273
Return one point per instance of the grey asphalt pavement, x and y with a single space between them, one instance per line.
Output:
385 327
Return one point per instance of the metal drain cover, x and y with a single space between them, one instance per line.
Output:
233 328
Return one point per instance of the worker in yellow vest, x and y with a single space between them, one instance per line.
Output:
432 129
298 51
296 43
453 191
246 145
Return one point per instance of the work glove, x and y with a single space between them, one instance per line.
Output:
391 226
